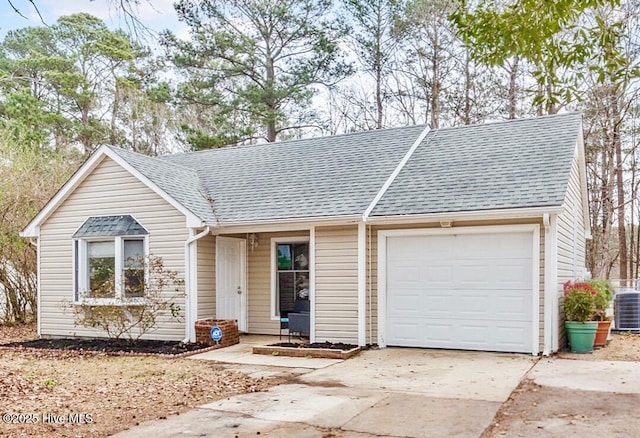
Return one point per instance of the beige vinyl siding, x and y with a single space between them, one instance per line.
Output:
96 196
337 284
571 236
206 277
259 283
372 268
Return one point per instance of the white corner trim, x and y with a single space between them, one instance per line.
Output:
382 288
38 288
362 284
395 173
551 283
582 167
535 278
191 282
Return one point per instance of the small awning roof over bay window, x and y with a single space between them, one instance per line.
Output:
103 226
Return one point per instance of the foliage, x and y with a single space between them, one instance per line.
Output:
148 295
30 176
74 83
375 43
255 65
544 33
602 299
579 301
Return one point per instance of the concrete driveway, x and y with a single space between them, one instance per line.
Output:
390 392
573 398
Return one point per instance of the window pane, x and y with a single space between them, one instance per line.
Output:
101 261
301 256
284 256
286 291
133 253
133 282
302 285
133 268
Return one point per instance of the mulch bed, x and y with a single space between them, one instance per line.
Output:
325 345
140 346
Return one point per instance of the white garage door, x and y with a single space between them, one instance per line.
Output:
464 291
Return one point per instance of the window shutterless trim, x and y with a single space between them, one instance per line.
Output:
274 268
81 269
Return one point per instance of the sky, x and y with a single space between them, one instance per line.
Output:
155 14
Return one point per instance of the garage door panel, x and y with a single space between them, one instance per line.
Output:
513 308
476 294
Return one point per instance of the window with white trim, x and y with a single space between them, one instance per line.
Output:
291 275
109 255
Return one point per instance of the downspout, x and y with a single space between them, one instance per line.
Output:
192 300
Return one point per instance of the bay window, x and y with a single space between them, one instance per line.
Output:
109 258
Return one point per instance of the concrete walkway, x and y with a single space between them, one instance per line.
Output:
242 353
391 392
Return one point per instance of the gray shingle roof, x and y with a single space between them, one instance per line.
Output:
123 225
181 183
513 164
315 177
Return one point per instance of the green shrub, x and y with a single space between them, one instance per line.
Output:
579 301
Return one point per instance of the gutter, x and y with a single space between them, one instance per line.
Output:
506 213
189 278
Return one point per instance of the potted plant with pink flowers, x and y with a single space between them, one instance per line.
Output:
602 301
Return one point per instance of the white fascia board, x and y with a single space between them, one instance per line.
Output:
508 213
193 221
293 224
395 173
32 229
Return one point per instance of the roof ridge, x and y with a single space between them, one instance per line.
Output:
157 158
322 137
507 121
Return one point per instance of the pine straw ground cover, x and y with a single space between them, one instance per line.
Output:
103 394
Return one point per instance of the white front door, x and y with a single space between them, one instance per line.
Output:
231 279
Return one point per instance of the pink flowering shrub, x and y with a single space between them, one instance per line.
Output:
579 301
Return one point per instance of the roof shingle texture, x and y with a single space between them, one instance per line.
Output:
123 225
513 164
315 177
180 183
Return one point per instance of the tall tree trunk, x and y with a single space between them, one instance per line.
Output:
617 146
269 98
466 118
113 137
512 98
378 71
435 83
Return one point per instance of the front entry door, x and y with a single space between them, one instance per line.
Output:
231 290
